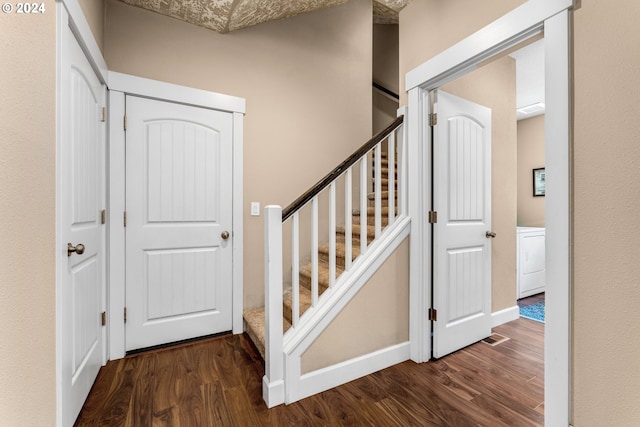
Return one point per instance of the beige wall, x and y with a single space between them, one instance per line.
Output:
385 73
492 86
606 183
27 218
94 12
530 156
428 27
307 81
376 318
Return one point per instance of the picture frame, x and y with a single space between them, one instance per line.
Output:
539 182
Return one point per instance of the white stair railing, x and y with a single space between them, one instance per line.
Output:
274 382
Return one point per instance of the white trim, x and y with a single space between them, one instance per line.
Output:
238 228
513 28
272 392
120 85
418 207
62 54
557 351
516 26
341 373
115 209
133 85
505 316
80 27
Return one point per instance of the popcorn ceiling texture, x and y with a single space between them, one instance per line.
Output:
229 15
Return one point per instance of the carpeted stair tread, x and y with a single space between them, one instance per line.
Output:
323 252
254 326
323 275
355 233
305 303
384 195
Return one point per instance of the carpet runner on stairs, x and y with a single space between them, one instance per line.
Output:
254 318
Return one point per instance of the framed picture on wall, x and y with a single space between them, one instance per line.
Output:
538 182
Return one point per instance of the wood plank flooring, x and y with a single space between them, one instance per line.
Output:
218 382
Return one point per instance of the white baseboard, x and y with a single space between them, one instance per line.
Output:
503 316
341 373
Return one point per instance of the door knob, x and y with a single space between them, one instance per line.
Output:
224 235
79 249
490 235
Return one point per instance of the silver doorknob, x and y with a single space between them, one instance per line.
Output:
224 235
490 235
79 249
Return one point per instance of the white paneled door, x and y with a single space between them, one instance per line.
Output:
82 234
178 222
462 235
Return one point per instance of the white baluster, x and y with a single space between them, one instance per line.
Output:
363 204
348 194
378 190
314 251
391 160
332 234
295 269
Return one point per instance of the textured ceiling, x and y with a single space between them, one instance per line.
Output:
229 15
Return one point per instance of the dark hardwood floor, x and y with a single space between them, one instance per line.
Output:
218 382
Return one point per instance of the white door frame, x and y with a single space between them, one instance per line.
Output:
119 86
530 19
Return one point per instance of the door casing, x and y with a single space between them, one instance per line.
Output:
119 85
528 20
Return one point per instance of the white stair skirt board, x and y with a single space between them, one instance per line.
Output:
298 341
344 372
504 316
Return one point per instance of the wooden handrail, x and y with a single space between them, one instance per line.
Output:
335 173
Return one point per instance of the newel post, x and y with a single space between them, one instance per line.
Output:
273 381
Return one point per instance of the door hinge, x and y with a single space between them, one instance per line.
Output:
433 217
103 117
125 315
124 122
125 218
433 119
103 216
103 318
433 314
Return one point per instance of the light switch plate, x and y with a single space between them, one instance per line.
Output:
255 208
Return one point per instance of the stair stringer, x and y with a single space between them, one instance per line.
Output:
298 340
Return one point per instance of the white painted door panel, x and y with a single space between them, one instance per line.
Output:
462 198
82 195
178 203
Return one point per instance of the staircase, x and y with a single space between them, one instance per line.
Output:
254 323
324 281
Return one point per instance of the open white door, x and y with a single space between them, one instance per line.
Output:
82 234
461 235
178 222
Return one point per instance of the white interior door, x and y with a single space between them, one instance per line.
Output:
178 222
82 197
461 249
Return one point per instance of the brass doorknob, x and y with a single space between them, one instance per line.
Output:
490 235
79 249
224 235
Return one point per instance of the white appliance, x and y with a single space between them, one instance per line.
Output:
531 278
